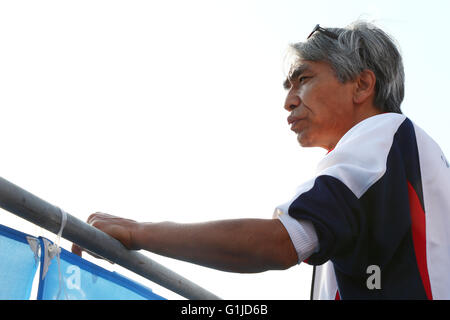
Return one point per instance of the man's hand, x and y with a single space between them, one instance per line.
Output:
118 228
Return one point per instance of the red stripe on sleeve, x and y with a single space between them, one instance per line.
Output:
338 297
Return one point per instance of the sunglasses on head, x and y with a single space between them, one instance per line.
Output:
324 31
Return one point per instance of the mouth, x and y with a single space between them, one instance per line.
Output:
293 122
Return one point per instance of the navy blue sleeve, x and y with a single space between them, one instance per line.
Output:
336 214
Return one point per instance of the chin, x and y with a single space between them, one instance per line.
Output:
303 141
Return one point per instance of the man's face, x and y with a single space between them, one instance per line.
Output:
321 107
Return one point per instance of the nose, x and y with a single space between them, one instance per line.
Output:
292 101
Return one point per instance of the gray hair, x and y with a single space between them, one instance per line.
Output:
359 46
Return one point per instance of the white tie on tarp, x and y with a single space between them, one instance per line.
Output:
53 249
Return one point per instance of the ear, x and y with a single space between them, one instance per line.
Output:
364 86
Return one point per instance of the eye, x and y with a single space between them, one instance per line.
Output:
302 79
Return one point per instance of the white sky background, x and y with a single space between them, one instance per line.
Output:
173 110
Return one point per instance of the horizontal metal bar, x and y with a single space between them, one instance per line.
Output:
28 206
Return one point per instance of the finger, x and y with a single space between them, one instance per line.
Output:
77 250
99 216
93 216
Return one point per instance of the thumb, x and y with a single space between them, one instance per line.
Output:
77 250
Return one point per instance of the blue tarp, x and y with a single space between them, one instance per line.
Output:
66 276
17 264
83 280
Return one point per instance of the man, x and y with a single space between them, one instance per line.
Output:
375 218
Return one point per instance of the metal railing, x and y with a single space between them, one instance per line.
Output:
29 207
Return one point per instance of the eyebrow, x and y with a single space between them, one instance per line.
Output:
294 75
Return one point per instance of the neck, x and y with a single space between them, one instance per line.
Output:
365 113
361 113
